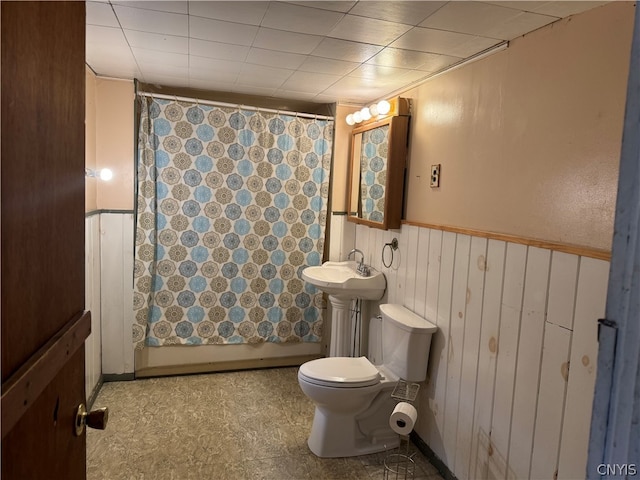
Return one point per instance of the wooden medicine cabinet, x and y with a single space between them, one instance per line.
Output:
377 169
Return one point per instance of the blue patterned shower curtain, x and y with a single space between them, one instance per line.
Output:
231 207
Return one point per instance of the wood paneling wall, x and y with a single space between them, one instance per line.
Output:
93 344
512 366
116 276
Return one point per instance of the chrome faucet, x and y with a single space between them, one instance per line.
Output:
362 269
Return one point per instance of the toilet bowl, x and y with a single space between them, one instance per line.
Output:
349 395
352 396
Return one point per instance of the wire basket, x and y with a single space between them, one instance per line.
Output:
405 391
399 466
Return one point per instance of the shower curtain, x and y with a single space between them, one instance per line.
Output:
231 207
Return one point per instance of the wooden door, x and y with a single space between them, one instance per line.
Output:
614 442
42 239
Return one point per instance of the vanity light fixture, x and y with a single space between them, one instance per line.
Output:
104 174
383 107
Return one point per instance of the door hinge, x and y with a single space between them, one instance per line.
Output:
606 323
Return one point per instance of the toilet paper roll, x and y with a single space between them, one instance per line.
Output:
403 418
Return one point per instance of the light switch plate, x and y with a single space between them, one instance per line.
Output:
435 176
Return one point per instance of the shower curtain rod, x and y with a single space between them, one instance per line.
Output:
233 105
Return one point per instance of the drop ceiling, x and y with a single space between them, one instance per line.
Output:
315 51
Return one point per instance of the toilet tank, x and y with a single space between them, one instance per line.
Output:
406 341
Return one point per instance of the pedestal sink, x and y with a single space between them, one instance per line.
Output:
343 284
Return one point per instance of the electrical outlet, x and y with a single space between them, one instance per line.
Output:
435 176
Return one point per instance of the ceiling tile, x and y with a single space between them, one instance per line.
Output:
468 17
377 72
268 58
305 96
327 66
309 82
210 84
368 30
396 57
564 9
249 13
163 69
295 18
261 76
165 80
253 90
224 76
160 6
485 20
522 5
223 51
286 41
144 56
118 72
410 77
215 65
523 23
219 31
436 62
346 50
557 9
101 14
351 89
152 21
443 42
410 13
157 41
339 6
113 63
106 37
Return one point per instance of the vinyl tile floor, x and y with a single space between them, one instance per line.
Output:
250 424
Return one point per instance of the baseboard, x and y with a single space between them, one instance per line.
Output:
94 393
118 377
212 367
432 457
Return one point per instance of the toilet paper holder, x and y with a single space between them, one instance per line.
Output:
400 464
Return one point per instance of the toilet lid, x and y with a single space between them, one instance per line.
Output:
341 372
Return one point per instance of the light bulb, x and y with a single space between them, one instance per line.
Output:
383 107
357 116
366 114
350 120
373 109
105 174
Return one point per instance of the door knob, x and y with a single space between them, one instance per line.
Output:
95 419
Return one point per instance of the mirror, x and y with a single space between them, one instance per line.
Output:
376 178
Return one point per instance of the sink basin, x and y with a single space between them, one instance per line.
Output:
340 279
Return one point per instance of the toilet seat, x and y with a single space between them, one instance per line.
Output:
340 372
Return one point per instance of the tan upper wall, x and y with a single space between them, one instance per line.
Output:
90 140
115 142
529 138
340 171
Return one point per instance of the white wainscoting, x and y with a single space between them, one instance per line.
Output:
93 349
116 233
512 367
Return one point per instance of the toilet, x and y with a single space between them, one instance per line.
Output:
352 396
